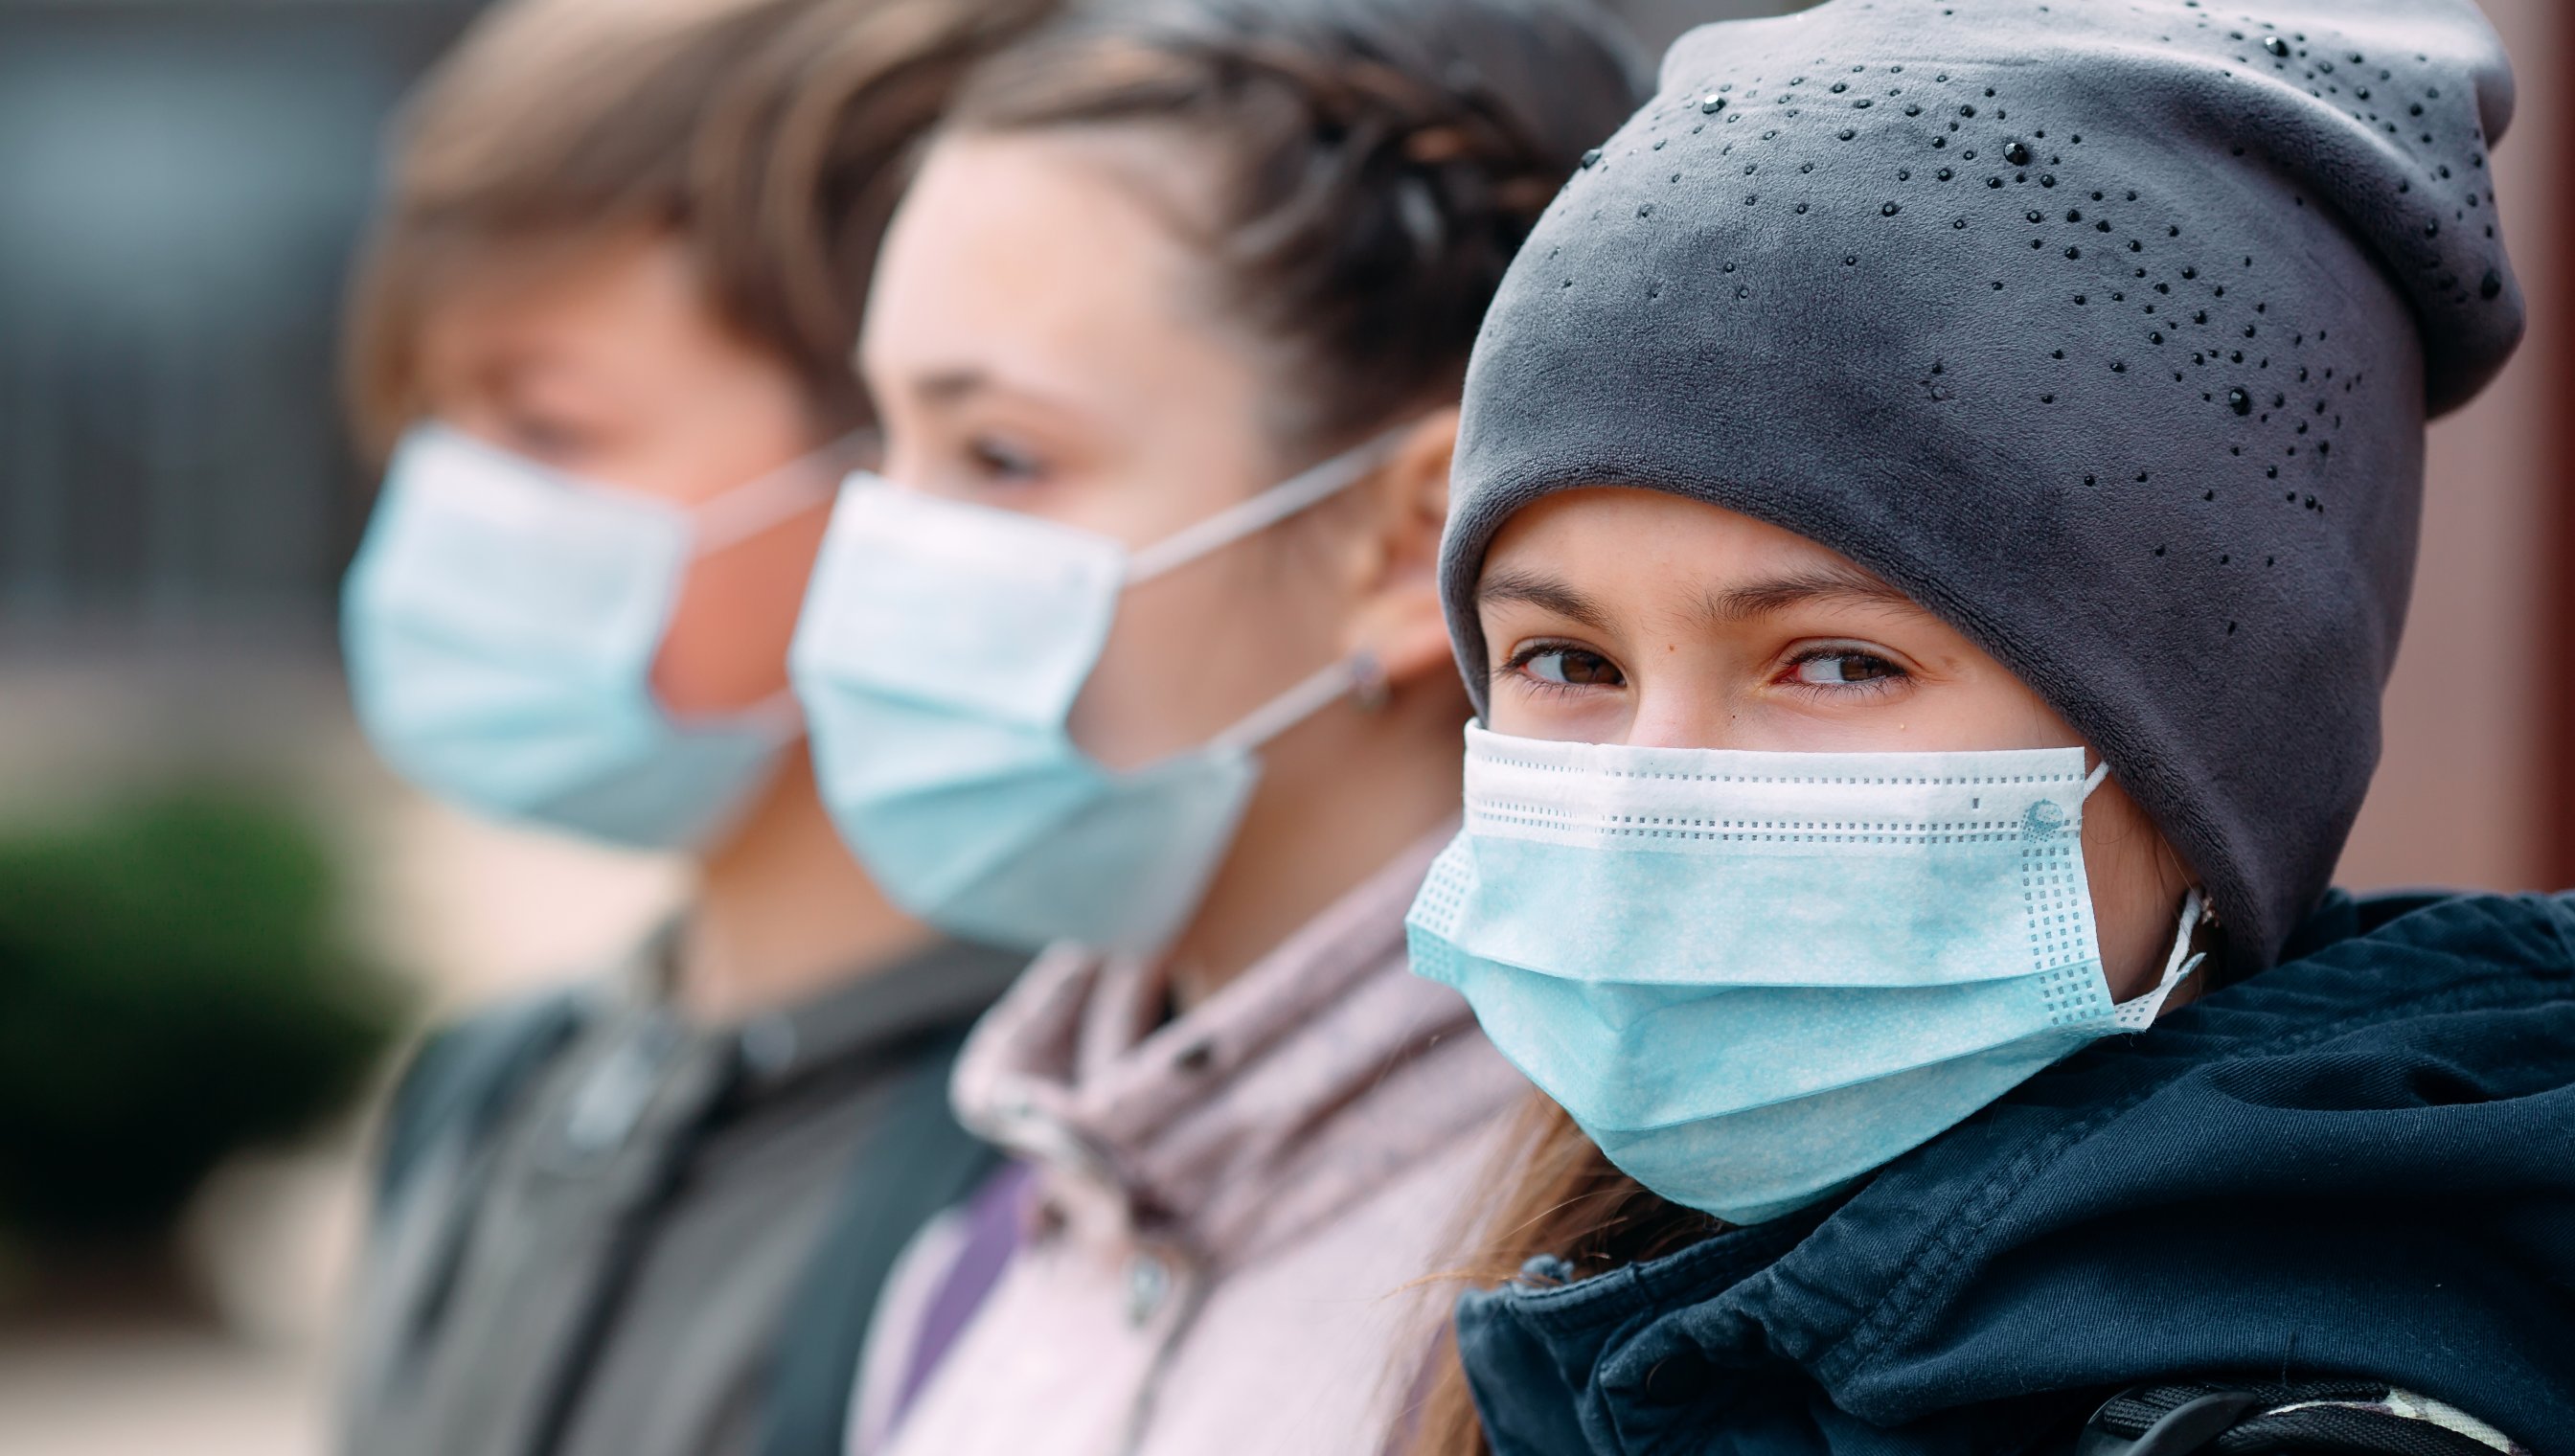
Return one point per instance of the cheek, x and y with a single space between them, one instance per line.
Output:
725 650
1193 654
2133 898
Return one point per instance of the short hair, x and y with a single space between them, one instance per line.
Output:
770 138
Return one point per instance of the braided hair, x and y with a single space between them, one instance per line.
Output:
1380 161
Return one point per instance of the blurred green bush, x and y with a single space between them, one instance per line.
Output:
175 984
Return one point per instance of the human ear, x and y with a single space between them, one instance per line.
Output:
1397 619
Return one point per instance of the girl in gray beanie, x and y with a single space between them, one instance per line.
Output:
1935 514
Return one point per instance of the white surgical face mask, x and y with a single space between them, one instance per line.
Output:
500 626
1753 977
942 648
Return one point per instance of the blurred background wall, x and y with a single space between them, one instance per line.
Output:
203 873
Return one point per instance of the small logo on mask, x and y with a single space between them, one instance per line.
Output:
2044 821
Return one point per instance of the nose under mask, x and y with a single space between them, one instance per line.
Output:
942 649
1753 978
500 626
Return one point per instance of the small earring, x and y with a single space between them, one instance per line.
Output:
1369 685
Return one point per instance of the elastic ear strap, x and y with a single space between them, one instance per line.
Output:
782 712
1299 493
776 498
2096 778
1292 707
781 716
2138 1015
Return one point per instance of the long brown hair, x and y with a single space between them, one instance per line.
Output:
1568 1202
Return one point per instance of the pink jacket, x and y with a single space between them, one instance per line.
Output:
1231 1210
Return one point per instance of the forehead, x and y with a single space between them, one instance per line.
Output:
610 294
1043 242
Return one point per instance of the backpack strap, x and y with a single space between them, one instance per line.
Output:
912 1166
450 1100
464 1077
2307 1418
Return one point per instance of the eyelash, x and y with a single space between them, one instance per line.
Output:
1895 677
1001 461
1518 663
1517 666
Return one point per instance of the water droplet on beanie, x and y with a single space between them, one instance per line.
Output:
2274 45
2017 153
2239 400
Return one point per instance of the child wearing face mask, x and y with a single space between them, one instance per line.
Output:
1135 650
604 334
1935 507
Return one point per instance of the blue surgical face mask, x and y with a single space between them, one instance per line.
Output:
1755 978
942 648
499 627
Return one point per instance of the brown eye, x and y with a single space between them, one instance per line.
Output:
1573 668
1842 667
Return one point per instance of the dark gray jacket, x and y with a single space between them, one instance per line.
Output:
2357 1168
602 1232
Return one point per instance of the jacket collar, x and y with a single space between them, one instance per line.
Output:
2245 1182
1205 1130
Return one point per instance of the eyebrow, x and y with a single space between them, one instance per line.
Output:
946 386
1545 592
1729 606
961 384
1823 583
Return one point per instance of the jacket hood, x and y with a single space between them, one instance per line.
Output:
1321 1074
2360 1162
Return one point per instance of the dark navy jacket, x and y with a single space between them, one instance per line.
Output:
2360 1162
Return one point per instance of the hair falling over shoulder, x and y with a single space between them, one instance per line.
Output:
1563 1200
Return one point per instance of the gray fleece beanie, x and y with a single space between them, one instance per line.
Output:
2107 331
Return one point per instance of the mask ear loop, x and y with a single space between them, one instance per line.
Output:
2138 1015
1358 674
1295 705
762 505
1297 493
